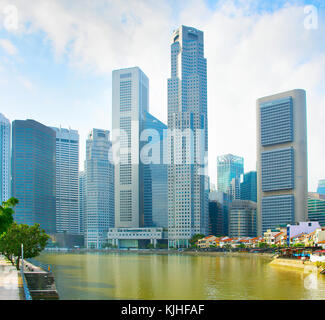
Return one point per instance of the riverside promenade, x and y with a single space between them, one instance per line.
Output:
11 287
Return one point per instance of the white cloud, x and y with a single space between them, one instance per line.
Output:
250 54
8 47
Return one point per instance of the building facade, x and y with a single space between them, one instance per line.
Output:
5 183
82 200
230 168
188 184
130 101
316 208
67 171
242 219
248 188
34 174
281 159
99 182
321 187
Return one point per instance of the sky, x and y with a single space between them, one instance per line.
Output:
57 58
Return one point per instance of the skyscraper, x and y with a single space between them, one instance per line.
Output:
248 188
99 214
242 218
155 175
130 100
33 173
229 169
316 208
67 169
281 159
82 200
5 131
321 187
188 185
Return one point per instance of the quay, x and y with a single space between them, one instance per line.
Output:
11 287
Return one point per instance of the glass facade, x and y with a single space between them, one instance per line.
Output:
33 174
278 169
5 132
248 188
242 219
277 211
316 208
277 122
99 183
229 167
321 187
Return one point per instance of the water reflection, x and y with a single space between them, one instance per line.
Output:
136 276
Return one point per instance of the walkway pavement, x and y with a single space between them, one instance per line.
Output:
10 281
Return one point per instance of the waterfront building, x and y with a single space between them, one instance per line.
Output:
82 200
99 182
299 228
130 101
316 208
281 159
140 172
216 218
5 132
67 170
188 184
34 174
248 188
242 218
321 187
229 169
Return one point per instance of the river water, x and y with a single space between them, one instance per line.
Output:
155 277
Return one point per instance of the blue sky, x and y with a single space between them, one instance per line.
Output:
56 67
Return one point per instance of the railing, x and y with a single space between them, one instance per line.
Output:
43 266
25 286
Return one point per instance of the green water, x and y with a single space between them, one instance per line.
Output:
155 277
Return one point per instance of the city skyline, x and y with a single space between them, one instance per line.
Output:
61 78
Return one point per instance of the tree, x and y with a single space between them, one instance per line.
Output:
6 214
196 238
263 245
33 238
242 246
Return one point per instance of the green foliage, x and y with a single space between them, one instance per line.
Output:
263 245
150 246
298 245
242 246
162 245
196 238
33 238
6 214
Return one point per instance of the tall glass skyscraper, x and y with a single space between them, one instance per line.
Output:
321 187
248 188
99 214
5 131
82 200
188 185
281 159
33 173
67 170
229 169
155 175
316 208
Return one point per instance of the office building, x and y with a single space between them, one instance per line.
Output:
188 183
5 132
229 170
316 208
67 170
321 187
248 188
34 174
82 200
99 168
281 159
242 218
